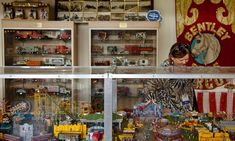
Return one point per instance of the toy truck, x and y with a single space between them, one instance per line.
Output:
48 49
65 36
134 49
33 63
61 49
54 61
50 89
28 50
64 91
79 129
35 35
22 34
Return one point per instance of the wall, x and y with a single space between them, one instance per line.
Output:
167 31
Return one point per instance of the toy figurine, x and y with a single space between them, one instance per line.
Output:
32 14
19 13
43 14
8 13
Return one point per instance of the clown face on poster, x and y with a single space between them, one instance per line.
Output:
208 26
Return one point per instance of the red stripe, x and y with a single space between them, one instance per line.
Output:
200 102
233 103
223 102
212 102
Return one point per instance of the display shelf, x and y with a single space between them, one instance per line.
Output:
99 10
38 43
124 46
26 10
173 72
53 72
39 46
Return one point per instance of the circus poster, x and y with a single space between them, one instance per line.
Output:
208 26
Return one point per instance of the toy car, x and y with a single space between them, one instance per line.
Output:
61 49
65 36
54 62
35 35
21 91
22 34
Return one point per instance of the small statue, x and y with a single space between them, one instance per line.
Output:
8 13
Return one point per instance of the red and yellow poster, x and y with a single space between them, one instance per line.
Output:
208 26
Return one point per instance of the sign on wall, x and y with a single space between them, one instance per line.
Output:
208 26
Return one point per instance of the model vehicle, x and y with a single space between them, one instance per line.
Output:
134 49
68 62
21 91
80 129
61 49
54 61
144 62
33 63
22 34
54 89
64 91
65 36
24 91
95 133
204 136
20 63
35 35
50 89
28 50
48 49
112 49
51 34
126 137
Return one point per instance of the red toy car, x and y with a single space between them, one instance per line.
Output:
62 50
65 36
35 35
22 34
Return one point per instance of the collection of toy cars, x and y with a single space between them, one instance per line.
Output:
110 49
39 55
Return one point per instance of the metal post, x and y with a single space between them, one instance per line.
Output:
108 100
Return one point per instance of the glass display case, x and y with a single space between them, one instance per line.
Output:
35 44
122 44
32 43
114 121
114 45
144 118
41 113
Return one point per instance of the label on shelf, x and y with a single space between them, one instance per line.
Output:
123 25
39 24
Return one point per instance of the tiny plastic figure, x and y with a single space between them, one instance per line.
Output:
32 14
8 13
19 13
43 14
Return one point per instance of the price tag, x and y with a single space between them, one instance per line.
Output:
39 24
123 25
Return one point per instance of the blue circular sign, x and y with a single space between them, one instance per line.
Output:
153 15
